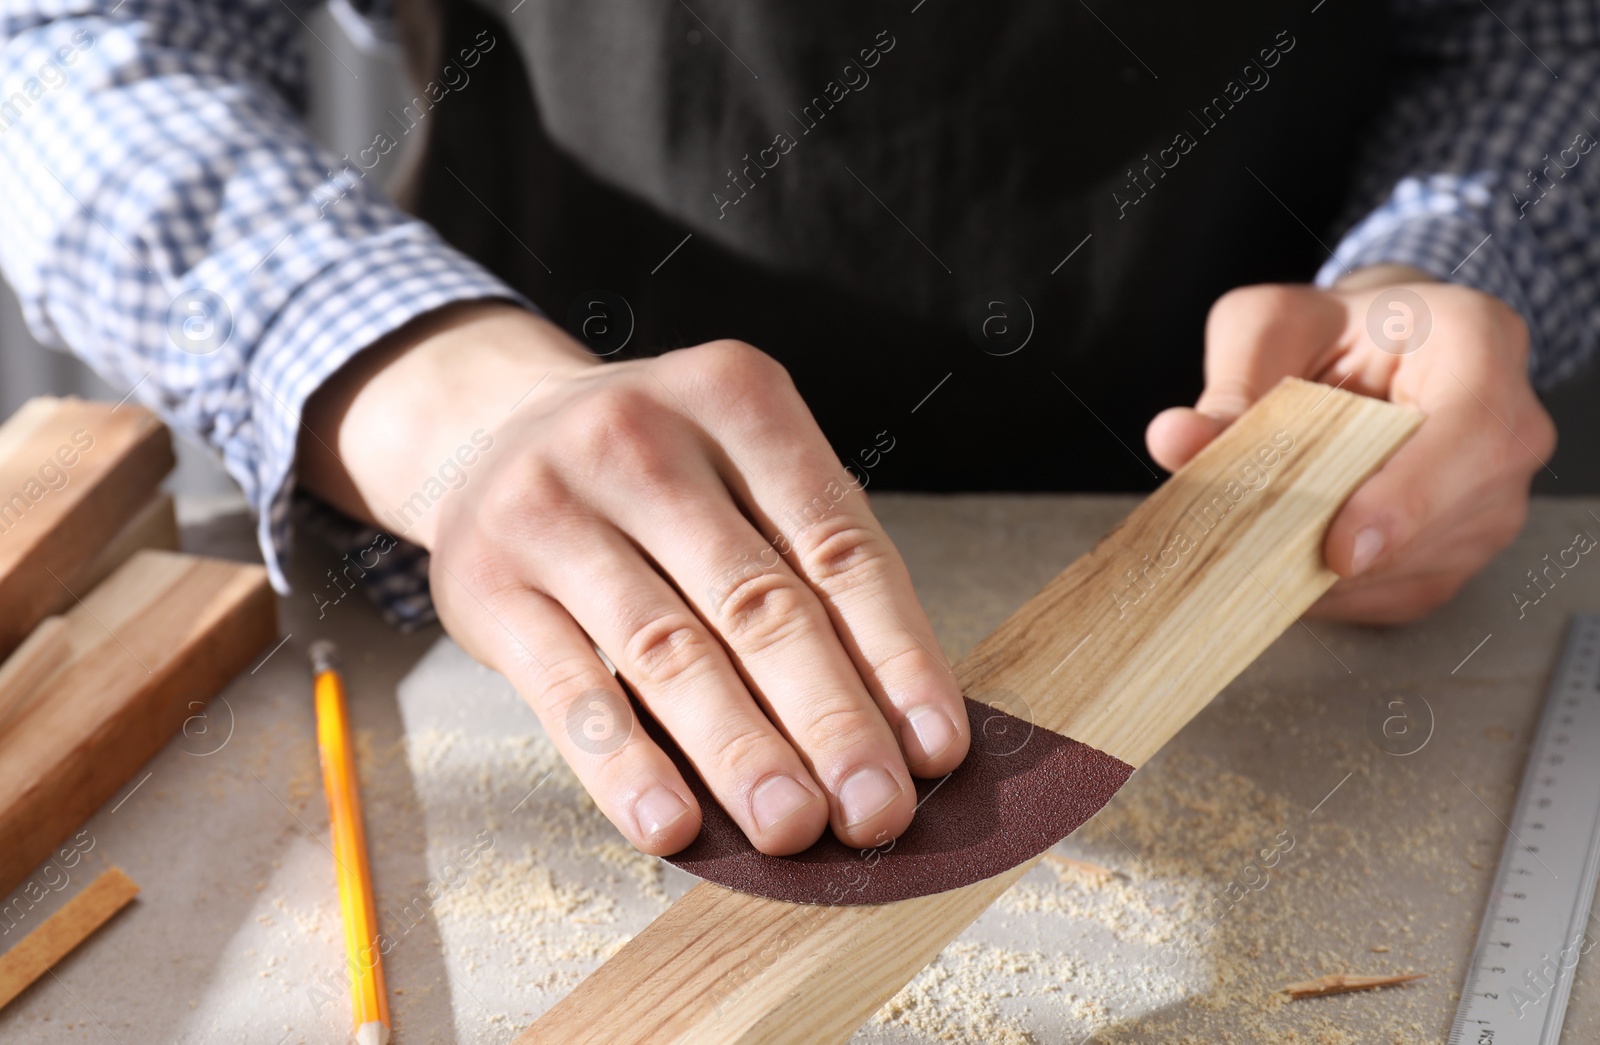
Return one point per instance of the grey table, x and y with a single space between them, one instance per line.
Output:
502 886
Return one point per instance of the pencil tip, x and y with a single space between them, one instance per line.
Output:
324 656
373 1033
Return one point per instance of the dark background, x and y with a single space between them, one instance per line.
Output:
343 113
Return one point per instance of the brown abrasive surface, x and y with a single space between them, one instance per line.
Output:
1021 789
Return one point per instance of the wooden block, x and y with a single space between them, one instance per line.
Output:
155 526
58 934
162 632
23 675
1120 651
72 473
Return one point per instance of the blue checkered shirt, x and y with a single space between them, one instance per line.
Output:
167 217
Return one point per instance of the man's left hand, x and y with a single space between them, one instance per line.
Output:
1457 492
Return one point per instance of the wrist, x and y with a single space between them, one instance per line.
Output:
405 420
1384 274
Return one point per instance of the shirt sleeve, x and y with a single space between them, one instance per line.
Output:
168 218
1479 172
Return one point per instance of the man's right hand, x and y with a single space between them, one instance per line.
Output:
639 505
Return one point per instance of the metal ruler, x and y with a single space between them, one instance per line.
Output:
1537 923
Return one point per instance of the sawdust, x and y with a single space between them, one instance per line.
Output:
1129 956
647 871
1188 954
512 892
558 890
956 998
569 893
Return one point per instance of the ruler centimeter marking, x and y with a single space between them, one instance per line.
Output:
1535 925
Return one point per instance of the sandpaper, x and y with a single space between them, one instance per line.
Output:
1021 789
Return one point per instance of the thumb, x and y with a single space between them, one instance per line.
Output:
1177 433
1255 337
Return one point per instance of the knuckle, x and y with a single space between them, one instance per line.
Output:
1237 300
1539 432
905 664
1513 329
743 750
668 648
509 507
1521 447
468 588
748 390
841 553
764 611
480 567
1246 326
615 425
737 363
569 678
524 520
839 726
1253 307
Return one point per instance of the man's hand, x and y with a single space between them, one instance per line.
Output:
1457 492
686 515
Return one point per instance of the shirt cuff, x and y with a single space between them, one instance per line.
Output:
393 573
396 276
1452 246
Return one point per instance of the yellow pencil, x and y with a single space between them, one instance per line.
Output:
368 996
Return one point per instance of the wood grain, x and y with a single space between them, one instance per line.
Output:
1119 651
30 666
72 473
60 933
154 525
146 648
23 675
1150 660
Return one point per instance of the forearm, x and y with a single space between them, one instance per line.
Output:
199 247
1479 173
376 434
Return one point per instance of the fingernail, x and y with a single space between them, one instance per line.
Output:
866 793
658 809
777 798
1369 545
931 731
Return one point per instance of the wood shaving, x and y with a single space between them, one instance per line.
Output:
1342 983
1081 866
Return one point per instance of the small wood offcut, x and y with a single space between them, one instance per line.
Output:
114 640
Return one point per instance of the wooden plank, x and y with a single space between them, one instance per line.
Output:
72 473
1151 659
1166 610
163 632
60 933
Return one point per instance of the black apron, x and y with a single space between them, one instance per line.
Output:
985 235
